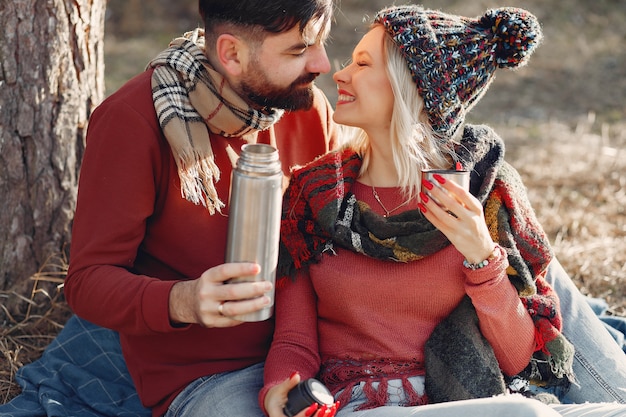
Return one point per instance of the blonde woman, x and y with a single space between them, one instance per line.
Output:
417 301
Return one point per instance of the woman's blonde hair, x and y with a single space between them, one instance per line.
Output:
415 145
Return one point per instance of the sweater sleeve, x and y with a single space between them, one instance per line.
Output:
295 344
503 319
117 191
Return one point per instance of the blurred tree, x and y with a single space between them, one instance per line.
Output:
51 77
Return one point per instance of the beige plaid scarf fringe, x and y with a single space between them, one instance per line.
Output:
191 99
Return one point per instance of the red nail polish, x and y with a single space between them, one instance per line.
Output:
458 166
312 409
439 178
422 207
323 409
293 374
427 184
423 197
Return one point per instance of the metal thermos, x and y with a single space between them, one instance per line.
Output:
254 217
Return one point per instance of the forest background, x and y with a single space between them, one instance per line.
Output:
563 119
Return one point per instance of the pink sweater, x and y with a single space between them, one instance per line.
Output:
350 305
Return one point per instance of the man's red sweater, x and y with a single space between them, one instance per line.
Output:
134 236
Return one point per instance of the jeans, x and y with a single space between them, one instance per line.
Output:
590 410
509 405
227 394
499 406
599 362
616 325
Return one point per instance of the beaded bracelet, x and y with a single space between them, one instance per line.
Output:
482 263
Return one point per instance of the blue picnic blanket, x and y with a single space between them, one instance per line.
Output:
82 373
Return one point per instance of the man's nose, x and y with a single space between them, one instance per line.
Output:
319 62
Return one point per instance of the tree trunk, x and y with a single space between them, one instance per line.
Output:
51 77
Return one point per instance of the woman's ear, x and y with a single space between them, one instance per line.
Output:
232 54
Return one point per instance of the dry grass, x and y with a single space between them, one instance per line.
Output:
577 185
25 334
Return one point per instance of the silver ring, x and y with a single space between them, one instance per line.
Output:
220 309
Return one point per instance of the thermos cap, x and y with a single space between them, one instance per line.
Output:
259 159
306 393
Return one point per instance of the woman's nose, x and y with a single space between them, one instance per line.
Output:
340 76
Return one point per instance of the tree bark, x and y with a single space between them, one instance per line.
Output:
51 77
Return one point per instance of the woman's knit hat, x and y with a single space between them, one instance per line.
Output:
452 59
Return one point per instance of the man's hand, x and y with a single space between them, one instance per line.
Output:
210 301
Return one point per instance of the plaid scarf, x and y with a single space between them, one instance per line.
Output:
319 211
191 99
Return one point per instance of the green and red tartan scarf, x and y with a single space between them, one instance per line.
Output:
320 211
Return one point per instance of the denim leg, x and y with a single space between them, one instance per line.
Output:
590 410
614 324
501 406
617 327
227 394
599 362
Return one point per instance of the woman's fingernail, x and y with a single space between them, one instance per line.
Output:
439 178
309 411
423 197
421 207
458 166
427 184
293 374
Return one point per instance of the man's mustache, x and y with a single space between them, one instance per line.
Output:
306 79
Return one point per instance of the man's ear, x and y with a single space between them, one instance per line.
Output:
232 53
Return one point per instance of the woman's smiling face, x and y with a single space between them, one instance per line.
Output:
365 95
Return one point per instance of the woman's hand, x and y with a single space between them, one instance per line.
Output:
276 398
459 216
210 301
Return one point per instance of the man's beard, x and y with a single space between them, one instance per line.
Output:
257 89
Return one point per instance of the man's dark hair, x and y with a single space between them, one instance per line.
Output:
273 16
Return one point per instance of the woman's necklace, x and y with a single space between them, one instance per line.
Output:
387 212
377 197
